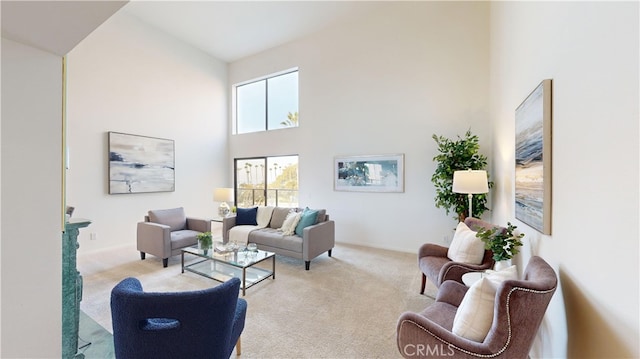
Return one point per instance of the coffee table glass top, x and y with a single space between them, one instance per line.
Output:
243 258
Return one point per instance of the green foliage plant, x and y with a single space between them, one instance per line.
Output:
461 154
205 239
502 242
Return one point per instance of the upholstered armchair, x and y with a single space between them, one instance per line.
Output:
166 231
438 268
518 309
194 324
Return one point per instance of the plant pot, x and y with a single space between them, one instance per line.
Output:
503 264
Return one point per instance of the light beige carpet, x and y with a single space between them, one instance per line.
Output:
346 306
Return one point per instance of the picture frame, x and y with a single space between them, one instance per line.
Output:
140 164
533 158
369 173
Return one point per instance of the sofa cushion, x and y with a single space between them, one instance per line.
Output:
465 246
308 218
274 238
175 218
322 213
278 217
246 216
290 223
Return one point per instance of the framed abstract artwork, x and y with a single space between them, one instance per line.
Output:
139 164
533 159
375 173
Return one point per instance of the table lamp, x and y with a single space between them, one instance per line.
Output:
223 195
470 182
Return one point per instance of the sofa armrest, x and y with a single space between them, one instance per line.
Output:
227 224
199 224
154 238
317 239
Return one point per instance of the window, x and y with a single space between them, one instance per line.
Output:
266 181
267 104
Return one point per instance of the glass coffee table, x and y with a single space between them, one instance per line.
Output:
221 265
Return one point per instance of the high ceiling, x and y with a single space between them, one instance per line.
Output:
230 30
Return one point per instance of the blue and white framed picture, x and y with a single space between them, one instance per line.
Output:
533 159
373 173
139 164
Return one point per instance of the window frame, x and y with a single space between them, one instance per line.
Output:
265 78
265 174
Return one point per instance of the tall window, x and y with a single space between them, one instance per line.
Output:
267 104
266 181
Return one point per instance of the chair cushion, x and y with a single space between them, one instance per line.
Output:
309 217
278 217
465 246
174 218
246 216
184 238
475 313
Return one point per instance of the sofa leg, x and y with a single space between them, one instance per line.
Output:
165 262
424 281
142 255
306 264
329 252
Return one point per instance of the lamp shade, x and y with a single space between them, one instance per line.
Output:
470 181
223 195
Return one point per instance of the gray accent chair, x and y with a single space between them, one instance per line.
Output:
438 268
519 308
165 232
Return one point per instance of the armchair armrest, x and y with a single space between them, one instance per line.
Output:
432 250
451 292
154 238
318 238
455 270
199 224
227 224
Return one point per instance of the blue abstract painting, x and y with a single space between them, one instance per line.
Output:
533 159
139 164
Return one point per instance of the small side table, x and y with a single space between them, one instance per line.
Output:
469 278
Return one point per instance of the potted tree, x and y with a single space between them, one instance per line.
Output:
205 240
502 242
461 154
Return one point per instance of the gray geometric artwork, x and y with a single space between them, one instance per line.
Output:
533 159
139 164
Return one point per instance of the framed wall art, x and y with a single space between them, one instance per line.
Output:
533 159
375 173
139 164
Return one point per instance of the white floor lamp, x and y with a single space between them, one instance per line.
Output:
470 182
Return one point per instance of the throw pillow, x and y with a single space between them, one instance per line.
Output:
475 313
246 216
465 246
290 223
309 217
278 217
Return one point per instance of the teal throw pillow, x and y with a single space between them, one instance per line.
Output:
247 216
309 217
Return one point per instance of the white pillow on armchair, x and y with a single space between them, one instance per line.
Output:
465 246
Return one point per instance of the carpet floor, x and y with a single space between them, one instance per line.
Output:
345 306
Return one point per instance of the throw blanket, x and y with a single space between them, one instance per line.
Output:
240 234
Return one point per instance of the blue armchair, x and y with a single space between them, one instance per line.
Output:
193 324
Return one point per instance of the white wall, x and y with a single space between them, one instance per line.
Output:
383 83
590 50
128 77
31 202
